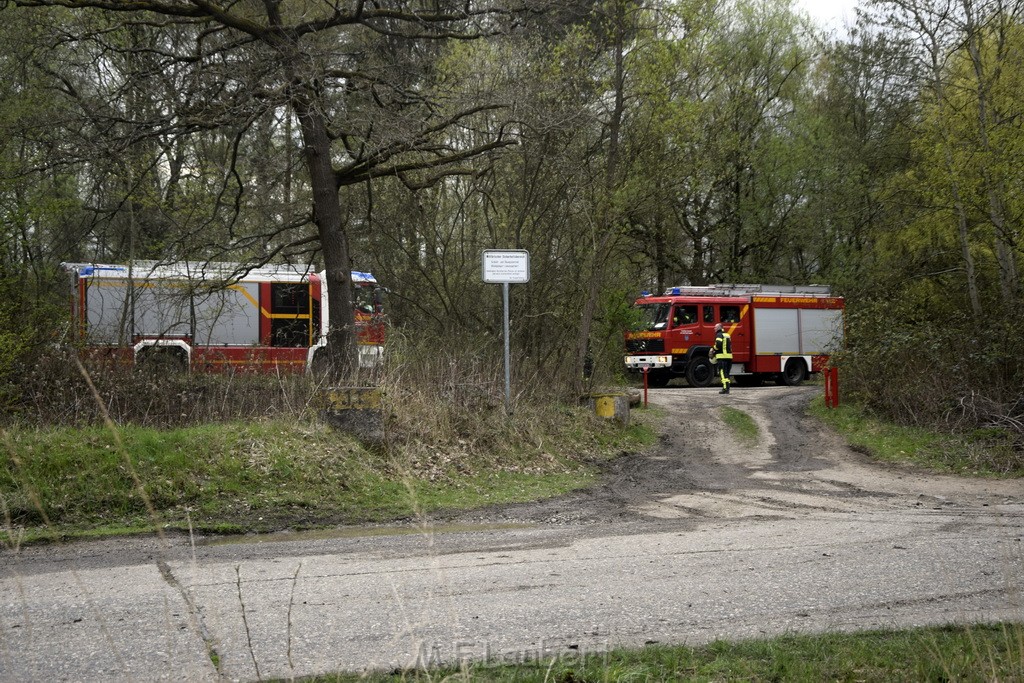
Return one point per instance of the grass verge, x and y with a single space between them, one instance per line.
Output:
984 452
968 653
282 474
741 424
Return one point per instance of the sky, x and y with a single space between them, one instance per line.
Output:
831 14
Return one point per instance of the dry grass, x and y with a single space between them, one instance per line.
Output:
248 453
53 392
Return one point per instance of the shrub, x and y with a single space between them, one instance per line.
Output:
927 364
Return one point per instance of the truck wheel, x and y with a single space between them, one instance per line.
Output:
161 362
320 365
657 378
700 372
794 373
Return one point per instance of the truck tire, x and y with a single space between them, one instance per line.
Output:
162 362
320 365
700 372
794 373
657 378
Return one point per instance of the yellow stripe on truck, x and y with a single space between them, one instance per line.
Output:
743 314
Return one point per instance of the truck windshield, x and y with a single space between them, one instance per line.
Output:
652 316
366 299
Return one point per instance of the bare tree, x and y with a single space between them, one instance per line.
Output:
356 76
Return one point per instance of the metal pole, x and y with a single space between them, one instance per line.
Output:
508 374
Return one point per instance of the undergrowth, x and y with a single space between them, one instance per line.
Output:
980 452
917 358
53 391
250 453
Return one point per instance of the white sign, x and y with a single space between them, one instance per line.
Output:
506 266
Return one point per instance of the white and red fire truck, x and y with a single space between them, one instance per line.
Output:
215 316
780 332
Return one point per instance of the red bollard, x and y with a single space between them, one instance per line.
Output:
645 386
831 387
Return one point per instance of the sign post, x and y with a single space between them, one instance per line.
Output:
506 266
831 386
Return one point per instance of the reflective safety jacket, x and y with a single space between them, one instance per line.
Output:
723 345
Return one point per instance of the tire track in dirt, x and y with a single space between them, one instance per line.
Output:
797 468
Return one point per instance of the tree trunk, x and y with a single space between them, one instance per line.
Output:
606 220
965 242
1008 278
341 347
935 58
958 204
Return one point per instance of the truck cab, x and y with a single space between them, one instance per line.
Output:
674 335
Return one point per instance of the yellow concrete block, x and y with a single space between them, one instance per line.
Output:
611 407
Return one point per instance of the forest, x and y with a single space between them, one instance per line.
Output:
628 145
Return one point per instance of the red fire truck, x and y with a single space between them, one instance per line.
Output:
780 332
214 316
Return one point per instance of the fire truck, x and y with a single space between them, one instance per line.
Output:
215 317
779 332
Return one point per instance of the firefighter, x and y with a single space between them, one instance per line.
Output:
723 356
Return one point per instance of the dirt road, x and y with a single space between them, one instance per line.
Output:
703 537
798 469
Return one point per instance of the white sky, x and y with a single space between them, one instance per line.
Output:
831 14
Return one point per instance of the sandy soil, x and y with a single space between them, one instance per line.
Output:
798 467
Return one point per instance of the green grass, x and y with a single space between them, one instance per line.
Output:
276 474
982 453
741 424
953 653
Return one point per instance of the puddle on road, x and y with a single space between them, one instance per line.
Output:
355 532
